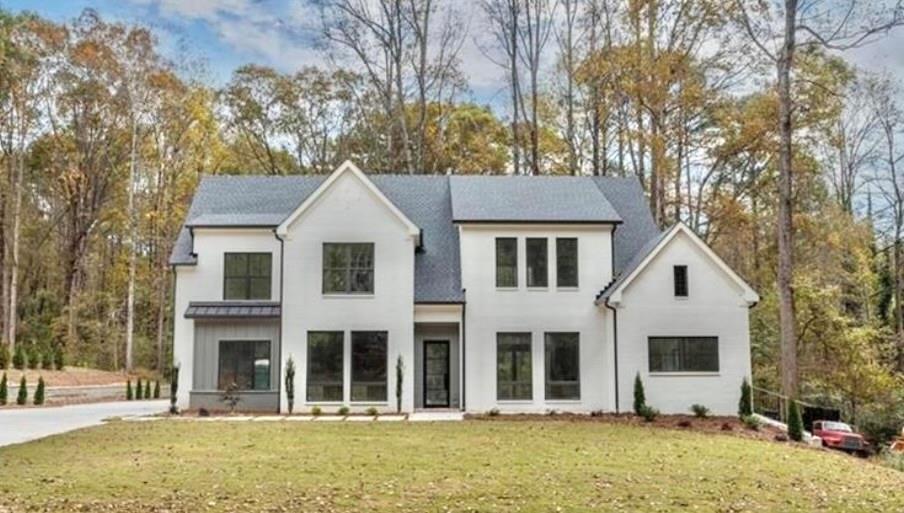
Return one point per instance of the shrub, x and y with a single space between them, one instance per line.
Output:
316 411
22 398
700 411
684 423
19 358
751 422
4 390
745 405
649 413
290 383
892 460
157 389
795 422
147 389
372 411
4 356
640 399
343 410
494 412
174 387
129 395
47 360
59 357
138 389
231 396
39 392
400 375
597 413
202 412
34 357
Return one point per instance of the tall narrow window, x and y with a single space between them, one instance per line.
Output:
513 367
348 268
245 364
684 354
563 366
247 275
506 262
537 268
324 366
680 272
369 366
566 262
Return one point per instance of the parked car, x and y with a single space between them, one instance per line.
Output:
838 435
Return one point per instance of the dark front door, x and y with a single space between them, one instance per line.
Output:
436 373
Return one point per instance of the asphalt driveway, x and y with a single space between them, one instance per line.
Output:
24 424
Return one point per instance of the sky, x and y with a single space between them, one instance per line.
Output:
284 34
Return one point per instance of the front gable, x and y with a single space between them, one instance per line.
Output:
354 193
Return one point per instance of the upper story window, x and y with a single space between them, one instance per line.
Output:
247 275
348 268
680 273
506 262
684 354
537 268
567 262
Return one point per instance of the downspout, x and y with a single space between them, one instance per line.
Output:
615 347
279 331
463 337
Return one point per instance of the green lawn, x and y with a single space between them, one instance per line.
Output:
467 466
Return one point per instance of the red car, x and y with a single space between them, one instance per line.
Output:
838 435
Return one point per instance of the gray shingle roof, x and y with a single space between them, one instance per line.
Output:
529 199
434 203
232 309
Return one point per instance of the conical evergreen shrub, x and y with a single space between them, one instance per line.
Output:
59 357
39 392
640 398
795 422
147 389
129 396
745 405
4 356
157 389
4 391
34 357
47 360
138 389
19 358
22 398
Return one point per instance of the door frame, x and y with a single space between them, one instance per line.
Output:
448 345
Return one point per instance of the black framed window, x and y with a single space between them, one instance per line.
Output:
506 262
247 275
680 272
369 366
325 354
513 366
245 363
348 268
537 265
684 354
567 262
563 366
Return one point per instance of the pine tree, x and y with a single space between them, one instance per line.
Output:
39 392
157 389
19 358
795 422
147 389
290 384
745 405
22 398
174 388
129 390
4 390
138 389
640 399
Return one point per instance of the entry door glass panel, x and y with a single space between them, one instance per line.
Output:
436 373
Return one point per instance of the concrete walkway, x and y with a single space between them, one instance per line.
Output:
19 425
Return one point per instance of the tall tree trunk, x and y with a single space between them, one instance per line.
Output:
784 226
130 298
14 254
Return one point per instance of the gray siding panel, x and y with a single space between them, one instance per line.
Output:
208 335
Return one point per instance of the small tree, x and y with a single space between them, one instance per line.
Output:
745 405
640 399
47 360
138 389
174 388
400 375
795 422
231 396
34 357
147 389
4 390
39 392
290 383
59 357
4 356
19 358
157 389
22 398
129 396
